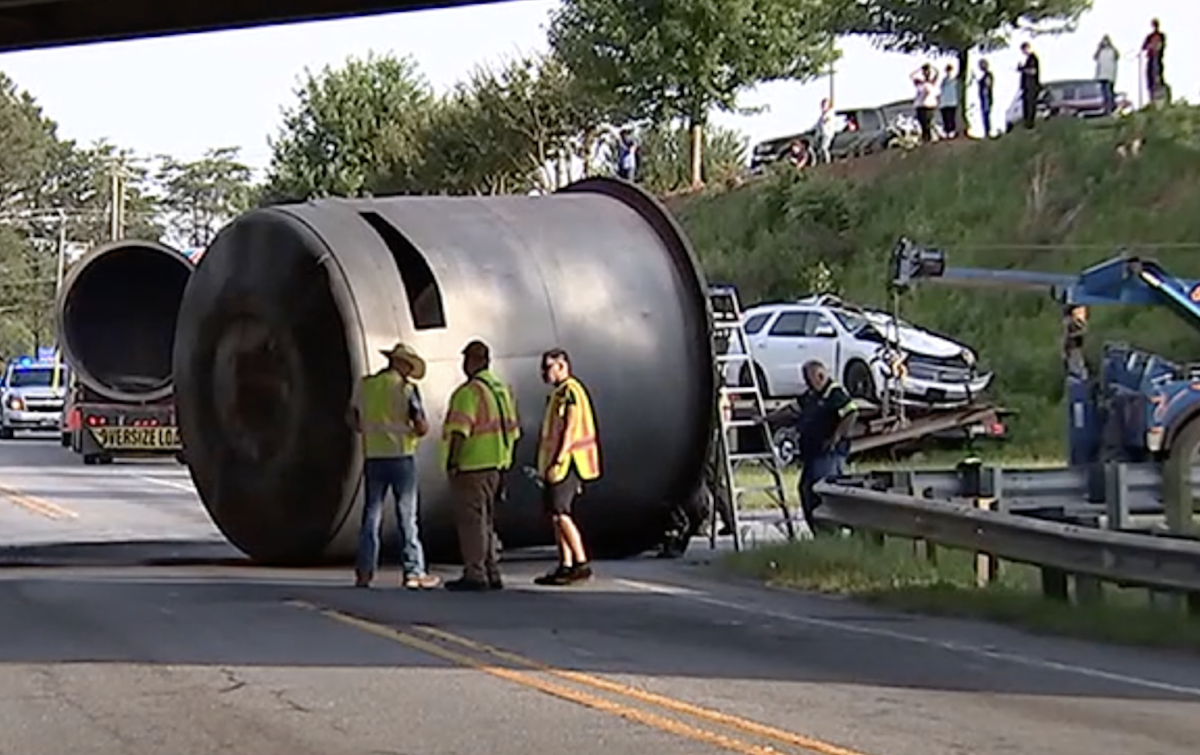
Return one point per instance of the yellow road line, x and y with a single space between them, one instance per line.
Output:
581 698
679 706
36 505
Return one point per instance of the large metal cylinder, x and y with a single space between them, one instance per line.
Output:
116 317
292 304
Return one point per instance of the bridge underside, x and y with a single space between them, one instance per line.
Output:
30 24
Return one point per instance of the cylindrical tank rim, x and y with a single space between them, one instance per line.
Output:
73 274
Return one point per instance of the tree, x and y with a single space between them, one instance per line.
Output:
202 195
663 61
955 27
351 126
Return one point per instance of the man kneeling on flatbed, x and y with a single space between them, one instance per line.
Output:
826 415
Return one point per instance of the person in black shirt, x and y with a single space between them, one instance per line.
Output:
826 414
1031 84
985 83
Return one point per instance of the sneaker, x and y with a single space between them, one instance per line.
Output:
579 573
422 582
495 582
462 584
560 576
362 579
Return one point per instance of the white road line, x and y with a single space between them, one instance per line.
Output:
185 486
954 647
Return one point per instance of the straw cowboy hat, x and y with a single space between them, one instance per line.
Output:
404 353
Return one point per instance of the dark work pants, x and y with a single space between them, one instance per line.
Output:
474 513
985 112
816 469
1028 108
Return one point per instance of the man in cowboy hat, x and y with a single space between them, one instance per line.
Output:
392 421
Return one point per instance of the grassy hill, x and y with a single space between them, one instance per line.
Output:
1061 198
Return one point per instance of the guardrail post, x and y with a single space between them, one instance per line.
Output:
987 568
1116 495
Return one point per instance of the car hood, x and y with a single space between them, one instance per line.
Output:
914 340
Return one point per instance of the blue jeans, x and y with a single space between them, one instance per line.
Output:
398 474
816 469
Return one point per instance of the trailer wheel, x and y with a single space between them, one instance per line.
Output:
1177 473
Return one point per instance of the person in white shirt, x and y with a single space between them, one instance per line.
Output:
926 101
826 130
1106 58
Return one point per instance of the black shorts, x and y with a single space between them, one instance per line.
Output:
558 497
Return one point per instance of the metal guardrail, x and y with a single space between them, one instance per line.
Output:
1163 563
1135 490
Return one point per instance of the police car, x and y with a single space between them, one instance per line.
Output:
32 394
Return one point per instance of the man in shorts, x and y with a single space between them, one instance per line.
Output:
568 456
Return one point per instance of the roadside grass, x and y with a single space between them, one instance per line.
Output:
895 576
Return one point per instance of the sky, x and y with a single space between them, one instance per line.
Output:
181 95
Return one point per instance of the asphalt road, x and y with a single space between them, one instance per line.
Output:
652 656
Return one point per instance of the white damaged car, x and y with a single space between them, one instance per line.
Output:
863 348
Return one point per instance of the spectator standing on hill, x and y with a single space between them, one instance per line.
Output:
1106 58
1031 84
627 156
826 130
926 101
1155 47
948 102
986 83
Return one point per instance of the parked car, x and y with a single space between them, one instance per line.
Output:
862 131
1072 98
861 347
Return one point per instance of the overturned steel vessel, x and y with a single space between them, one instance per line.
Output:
292 304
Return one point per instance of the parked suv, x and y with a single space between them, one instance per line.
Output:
1071 98
31 396
861 131
861 347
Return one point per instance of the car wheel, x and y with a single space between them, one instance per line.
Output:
6 433
744 379
858 381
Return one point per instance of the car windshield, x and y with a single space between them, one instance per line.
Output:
850 321
1077 90
37 377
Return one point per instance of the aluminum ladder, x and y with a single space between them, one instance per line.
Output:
726 315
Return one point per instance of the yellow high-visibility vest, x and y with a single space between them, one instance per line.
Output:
484 412
387 430
569 413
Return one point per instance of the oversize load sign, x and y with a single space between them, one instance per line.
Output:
138 438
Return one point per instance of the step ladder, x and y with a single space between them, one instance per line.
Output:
726 314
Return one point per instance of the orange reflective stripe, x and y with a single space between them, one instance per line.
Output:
456 417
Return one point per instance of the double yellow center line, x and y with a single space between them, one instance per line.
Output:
36 505
433 641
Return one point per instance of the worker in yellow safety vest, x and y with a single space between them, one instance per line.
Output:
479 434
389 416
568 456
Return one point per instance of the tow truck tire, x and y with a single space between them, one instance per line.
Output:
744 379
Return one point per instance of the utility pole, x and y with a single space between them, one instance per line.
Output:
62 250
117 207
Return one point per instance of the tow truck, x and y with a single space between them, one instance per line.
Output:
33 392
1142 407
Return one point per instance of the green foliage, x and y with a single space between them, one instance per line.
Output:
201 195
663 164
668 61
1060 198
956 26
351 126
